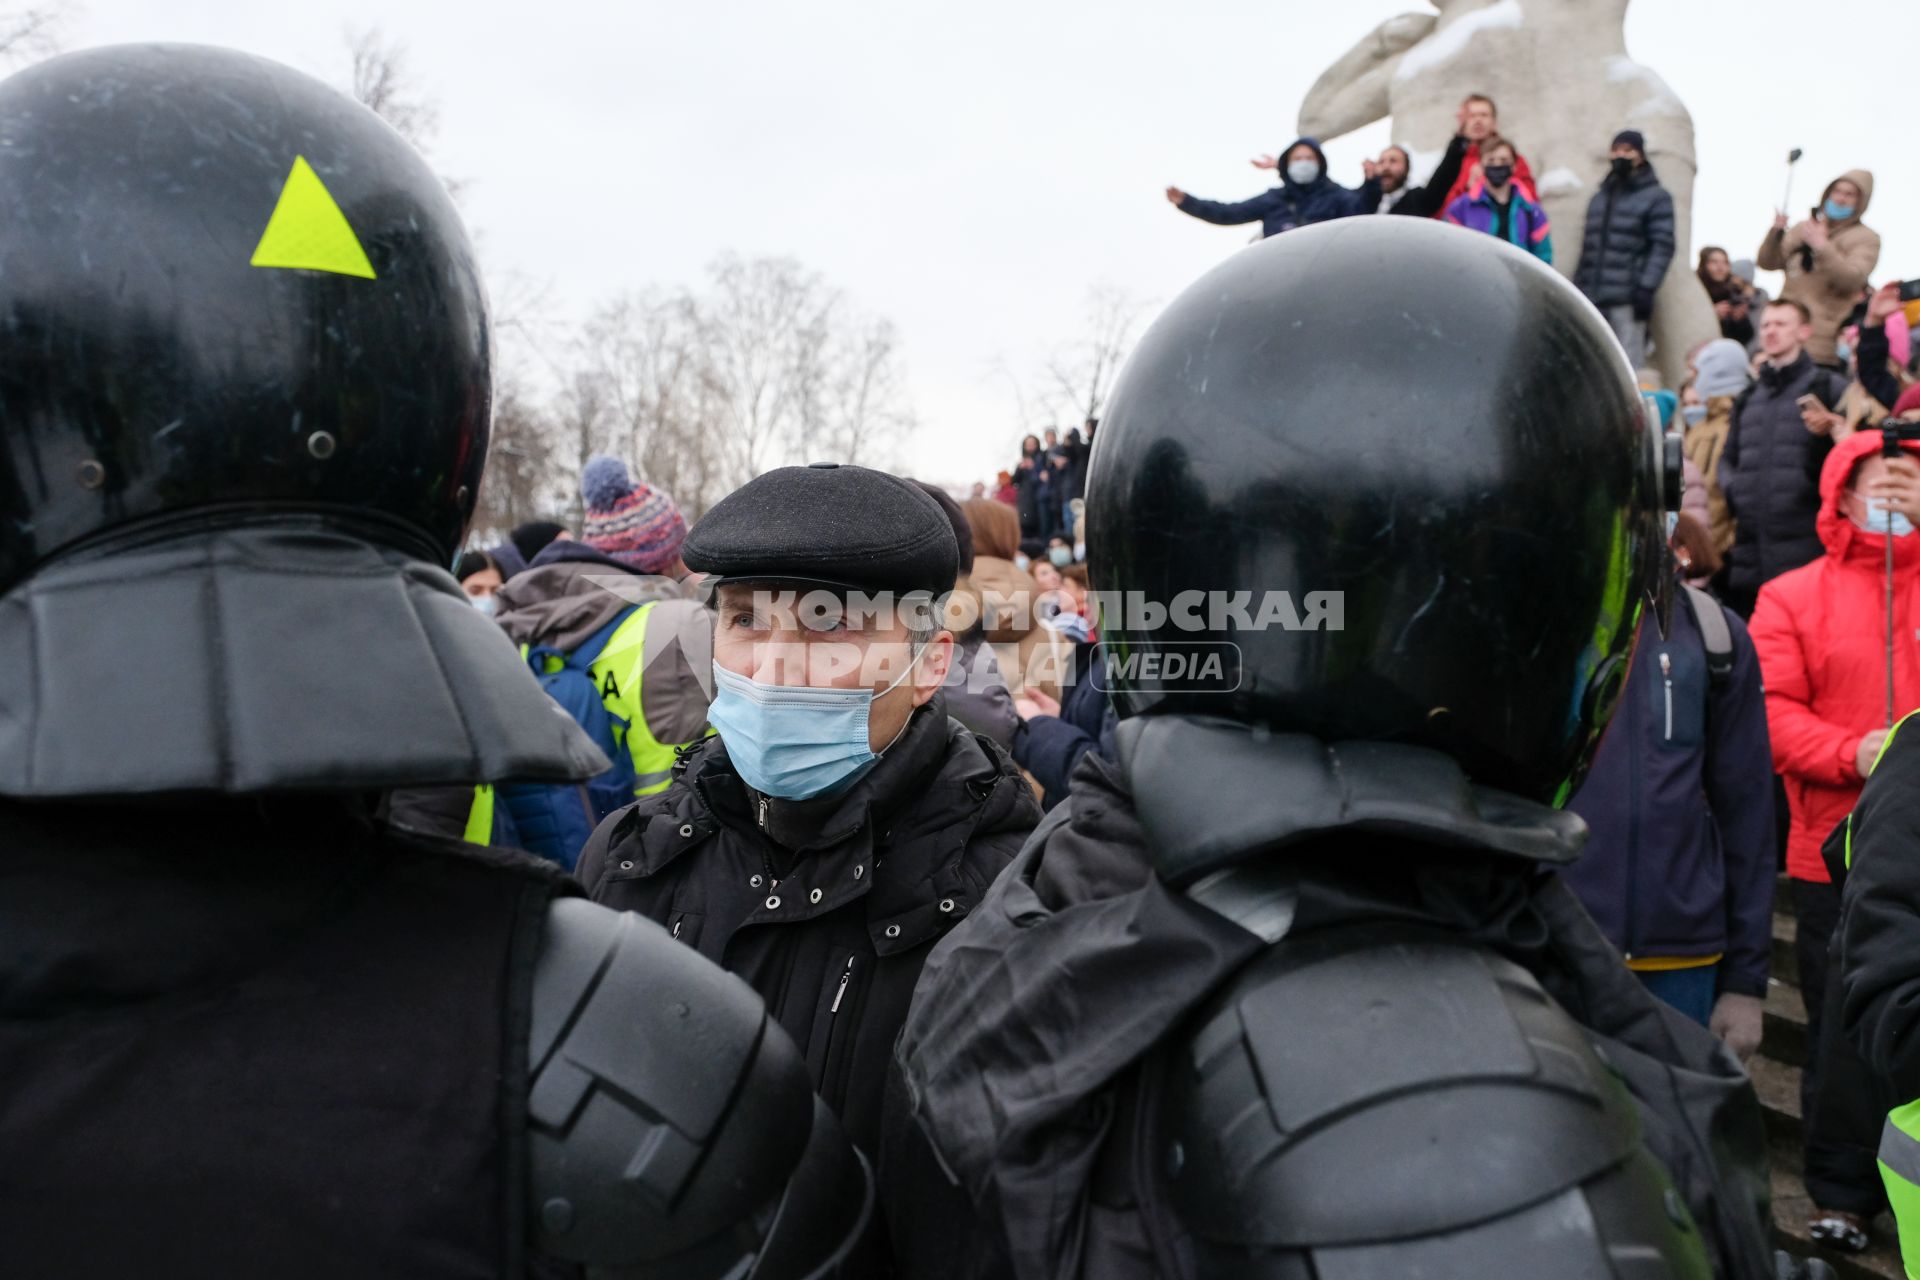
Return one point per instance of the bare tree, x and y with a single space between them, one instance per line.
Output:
1079 375
27 35
383 83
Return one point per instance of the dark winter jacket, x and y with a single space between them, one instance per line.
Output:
1290 205
977 694
1628 244
1429 201
868 881
256 1036
1879 936
1680 802
1017 1060
1770 473
1050 747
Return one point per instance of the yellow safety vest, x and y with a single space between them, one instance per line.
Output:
617 672
1899 1156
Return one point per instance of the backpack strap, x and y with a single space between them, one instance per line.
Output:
1715 632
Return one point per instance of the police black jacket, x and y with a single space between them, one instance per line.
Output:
1879 934
868 881
1035 1018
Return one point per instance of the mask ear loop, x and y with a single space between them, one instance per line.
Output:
919 651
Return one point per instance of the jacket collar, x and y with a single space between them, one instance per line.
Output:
1290 788
282 656
1774 378
919 811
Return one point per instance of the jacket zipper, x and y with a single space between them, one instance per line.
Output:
1633 832
841 994
763 813
1666 674
676 926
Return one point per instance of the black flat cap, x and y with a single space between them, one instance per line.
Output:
843 526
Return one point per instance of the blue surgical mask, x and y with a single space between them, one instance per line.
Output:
1061 556
795 742
1694 414
1837 212
1883 519
1841 351
485 604
1021 563
1303 172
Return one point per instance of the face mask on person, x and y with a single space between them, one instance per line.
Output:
1883 519
1842 351
1021 563
1498 175
1694 414
1079 551
1622 166
1837 212
1061 556
795 742
1302 172
484 604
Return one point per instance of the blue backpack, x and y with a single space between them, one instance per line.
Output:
554 819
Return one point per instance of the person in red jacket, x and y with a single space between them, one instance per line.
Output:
1821 634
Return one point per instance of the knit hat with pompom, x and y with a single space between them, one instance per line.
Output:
636 524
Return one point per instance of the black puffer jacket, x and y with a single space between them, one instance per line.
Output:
1770 473
868 882
1628 244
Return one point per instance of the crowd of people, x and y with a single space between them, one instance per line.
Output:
1792 506
390 932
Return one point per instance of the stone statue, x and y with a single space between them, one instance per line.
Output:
1559 73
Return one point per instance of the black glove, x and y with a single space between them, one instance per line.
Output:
1642 303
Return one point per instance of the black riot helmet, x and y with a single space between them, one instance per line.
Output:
226 289
1433 445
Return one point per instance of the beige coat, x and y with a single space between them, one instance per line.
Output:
1704 445
1841 267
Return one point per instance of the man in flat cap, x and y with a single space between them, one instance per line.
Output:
838 824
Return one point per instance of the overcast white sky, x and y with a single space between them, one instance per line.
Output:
971 170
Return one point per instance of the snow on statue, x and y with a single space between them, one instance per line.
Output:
1560 74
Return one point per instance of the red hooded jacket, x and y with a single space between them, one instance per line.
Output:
1820 631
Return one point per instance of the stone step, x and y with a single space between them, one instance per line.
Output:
1783 965
1784 1037
1791 1210
1778 1085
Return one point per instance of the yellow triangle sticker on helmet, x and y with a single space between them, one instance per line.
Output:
307 230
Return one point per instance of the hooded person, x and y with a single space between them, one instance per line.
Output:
1720 374
839 822
1821 633
246 1027
1285 988
1306 195
1828 258
609 607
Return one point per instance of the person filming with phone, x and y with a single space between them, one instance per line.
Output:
1827 259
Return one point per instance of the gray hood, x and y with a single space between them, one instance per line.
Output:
265 659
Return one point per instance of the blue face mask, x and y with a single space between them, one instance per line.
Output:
485 604
1842 352
795 742
1061 556
1694 414
1881 519
1837 212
